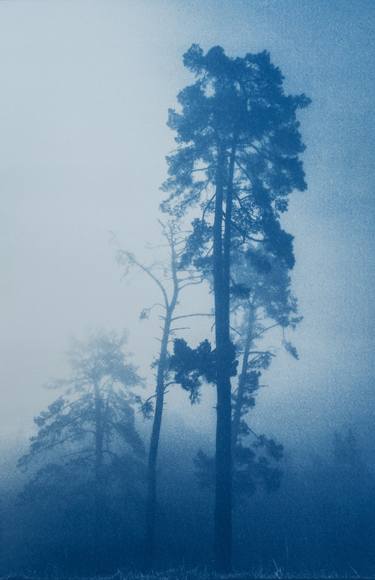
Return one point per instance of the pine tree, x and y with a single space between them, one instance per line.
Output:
237 160
89 431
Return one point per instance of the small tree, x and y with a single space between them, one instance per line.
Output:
263 302
171 279
89 431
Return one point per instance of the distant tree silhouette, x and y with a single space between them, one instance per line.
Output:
343 505
90 428
347 454
237 159
261 307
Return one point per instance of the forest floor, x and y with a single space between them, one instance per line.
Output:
180 574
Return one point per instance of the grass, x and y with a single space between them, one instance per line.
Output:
205 574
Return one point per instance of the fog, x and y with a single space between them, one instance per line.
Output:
85 90
83 105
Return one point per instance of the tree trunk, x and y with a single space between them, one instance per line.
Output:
242 379
223 457
98 483
153 450
151 504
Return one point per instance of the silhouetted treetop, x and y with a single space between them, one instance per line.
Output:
98 398
238 105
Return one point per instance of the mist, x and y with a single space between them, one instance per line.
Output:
85 93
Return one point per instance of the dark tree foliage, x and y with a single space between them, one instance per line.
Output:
87 444
236 102
237 160
191 366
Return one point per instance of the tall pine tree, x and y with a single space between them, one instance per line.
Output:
237 160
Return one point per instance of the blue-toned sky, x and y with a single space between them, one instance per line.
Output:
84 92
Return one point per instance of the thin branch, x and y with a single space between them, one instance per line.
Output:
246 236
207 205
169 384
190 315
265 330
148 271
197 277
235 330
192 283
200 169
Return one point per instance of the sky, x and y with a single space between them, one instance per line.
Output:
85 90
